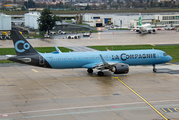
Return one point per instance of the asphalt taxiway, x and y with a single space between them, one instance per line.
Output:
28 92
112 37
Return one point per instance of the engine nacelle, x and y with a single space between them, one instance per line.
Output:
154 30
137 30
120 69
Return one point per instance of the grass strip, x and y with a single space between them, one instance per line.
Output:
11 51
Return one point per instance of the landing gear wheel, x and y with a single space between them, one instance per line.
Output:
90 70
154 70
100 73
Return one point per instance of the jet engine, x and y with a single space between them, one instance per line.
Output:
120 69
137 30
154 30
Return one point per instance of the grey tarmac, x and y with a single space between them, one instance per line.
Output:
28 92
111 37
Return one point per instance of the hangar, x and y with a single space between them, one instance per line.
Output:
130 20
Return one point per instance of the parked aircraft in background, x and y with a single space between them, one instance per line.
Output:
145 28
117 62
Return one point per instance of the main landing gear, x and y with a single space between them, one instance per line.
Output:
100 73
90 70
154 69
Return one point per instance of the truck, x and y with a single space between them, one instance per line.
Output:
5 35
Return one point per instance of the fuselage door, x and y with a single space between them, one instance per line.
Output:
41 60
157 55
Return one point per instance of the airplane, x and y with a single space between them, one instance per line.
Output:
145 28
117 62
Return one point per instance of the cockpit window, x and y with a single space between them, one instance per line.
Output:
164 54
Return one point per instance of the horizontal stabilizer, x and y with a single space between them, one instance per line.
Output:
25 60
8 56
3 57
11 55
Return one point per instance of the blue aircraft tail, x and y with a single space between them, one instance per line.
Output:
21 45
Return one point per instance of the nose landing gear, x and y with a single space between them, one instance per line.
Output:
154 69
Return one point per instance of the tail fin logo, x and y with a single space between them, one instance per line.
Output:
140 21
25 46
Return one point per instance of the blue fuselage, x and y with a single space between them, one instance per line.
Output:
90 59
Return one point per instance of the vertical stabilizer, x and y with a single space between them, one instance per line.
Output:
140 21
21 45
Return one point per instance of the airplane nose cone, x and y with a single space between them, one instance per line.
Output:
169 58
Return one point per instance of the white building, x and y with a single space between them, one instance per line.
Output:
122 20
31 19
85 4
130 19
5 22
169 20
65 1
159 20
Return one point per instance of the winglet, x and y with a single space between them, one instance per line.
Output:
57 49
104 61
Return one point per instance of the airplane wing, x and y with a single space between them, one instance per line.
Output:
105 66
102 65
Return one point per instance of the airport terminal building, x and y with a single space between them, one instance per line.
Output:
124 20
131 20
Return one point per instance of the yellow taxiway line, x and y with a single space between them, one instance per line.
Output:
141 98
164 110
170 64
34 70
